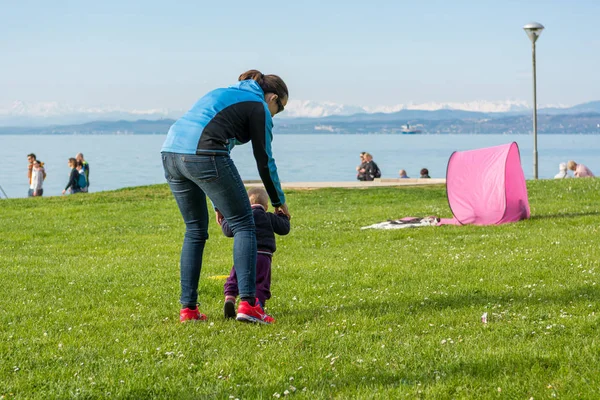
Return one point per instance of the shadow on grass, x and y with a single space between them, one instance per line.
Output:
465 378
568 215
563 298
374 309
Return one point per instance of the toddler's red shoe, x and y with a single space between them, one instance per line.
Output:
189 314
248 313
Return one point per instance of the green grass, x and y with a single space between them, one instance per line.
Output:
89 288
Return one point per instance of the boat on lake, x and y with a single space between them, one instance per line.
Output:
410 130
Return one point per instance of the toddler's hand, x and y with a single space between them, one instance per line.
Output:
283 209
219 217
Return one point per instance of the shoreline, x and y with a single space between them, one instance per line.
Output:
382 182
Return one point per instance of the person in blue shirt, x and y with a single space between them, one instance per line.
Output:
197 164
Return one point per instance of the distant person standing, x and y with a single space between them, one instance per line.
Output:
372 170
37 178
424 173
82 180
402 174
73 184
85 166
580 170
31 158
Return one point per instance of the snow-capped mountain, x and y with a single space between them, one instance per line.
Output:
316 109
21 113
53 108
478 106
298 108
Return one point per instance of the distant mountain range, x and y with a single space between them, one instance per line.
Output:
19 113
583 118
298 108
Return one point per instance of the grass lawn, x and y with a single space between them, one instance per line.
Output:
89 307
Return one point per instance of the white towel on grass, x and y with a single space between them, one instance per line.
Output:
408 222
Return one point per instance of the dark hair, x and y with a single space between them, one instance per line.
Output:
424 171
72 161
268 83
32 155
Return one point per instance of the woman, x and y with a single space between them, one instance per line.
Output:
360 169
81 179
196 161
372 170
73 184
37 178
85 166
579 170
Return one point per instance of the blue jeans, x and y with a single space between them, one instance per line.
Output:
191 178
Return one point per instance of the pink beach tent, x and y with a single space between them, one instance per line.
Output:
486 186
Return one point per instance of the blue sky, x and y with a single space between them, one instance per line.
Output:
159 54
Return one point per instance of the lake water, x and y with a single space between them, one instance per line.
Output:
118 161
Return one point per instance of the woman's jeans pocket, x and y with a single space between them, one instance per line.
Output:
200 168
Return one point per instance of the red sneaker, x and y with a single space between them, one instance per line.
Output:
247 313
188 314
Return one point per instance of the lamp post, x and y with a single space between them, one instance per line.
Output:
534 30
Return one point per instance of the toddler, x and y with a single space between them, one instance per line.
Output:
267 224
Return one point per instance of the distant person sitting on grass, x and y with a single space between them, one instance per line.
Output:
424 173
267 224
360 170
402 174
371 169
73 184
581 171
562 171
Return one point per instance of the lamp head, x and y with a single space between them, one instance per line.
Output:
533 30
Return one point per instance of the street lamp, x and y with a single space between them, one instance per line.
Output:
534 30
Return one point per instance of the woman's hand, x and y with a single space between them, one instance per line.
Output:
284 210
219 217
64 191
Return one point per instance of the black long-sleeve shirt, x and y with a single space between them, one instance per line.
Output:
372 171
267 224
73 180
226 117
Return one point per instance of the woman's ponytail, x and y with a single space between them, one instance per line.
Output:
268 83
253 74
